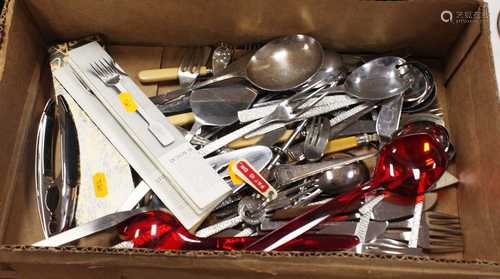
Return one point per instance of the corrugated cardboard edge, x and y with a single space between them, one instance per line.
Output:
464 44
259 262
486 27
3 31
13 40
474 95
3 16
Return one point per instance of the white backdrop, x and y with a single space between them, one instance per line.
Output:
494 8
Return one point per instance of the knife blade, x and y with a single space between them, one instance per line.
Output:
389 117
272 137
89 228
374 228
357 128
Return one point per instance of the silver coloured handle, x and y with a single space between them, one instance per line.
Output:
286 174
44 167
216 80
213 146
70 170
156 128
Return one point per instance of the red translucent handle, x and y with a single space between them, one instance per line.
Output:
161 231
302 223
408 165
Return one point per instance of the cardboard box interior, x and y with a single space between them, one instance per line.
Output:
153 33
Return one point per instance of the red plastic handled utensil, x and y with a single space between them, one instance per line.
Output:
160 230
408 165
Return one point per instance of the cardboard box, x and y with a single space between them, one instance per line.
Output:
151 33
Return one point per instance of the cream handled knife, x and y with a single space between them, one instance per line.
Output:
192 65
166 74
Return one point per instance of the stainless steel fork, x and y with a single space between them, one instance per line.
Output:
387 246
191 64
439 233
251 46
286 111
317 136
110 75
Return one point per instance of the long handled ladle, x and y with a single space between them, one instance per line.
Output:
160 230
408 165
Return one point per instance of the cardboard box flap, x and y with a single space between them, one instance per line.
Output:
465 42
347 26
24 87
474 115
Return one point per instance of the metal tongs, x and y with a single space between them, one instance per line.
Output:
57 196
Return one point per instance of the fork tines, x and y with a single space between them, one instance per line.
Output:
439 233
103 67
190 61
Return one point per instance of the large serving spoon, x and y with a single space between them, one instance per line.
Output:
282 64
408 165
331 69
378 79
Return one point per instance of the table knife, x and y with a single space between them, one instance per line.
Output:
95 226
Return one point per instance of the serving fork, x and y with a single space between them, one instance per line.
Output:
317 136
439 233
192 65
111 75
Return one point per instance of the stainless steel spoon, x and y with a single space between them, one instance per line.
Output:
340 180
337 180
288 173
379 79
332 69
280 65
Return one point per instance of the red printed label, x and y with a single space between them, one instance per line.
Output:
253 176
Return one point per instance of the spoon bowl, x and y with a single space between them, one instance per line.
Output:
285 63
332 69
280 65
340 180
408 165
379 79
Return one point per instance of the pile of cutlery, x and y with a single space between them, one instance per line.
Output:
295 134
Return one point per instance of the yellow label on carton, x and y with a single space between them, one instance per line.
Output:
234 177
100 185
127 101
